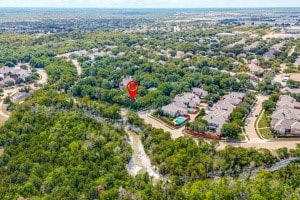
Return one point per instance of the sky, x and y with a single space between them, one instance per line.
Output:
150 3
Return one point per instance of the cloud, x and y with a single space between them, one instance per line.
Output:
150 3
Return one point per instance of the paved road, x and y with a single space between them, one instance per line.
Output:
250 128
78 67
272 146
74 61
292 50
44 76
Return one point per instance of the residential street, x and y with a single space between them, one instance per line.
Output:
250 128
254 140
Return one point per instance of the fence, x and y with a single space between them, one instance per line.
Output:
193 133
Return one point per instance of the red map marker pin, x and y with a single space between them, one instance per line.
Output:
132 88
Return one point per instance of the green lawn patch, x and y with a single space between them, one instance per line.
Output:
264 126
241 137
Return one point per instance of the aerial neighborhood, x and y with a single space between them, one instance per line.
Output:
154 100
11 75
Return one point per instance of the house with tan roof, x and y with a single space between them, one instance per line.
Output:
12 74
181 104
174 110
253 68
286 117
222 110
187 98
199 92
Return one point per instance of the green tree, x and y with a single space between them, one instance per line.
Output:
230 130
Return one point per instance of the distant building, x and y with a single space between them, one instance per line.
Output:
179 54
225 34
253 68
269 55
290 90
293 30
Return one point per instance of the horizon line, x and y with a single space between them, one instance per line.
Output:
143 7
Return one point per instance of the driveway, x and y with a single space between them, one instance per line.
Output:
250 128
175 133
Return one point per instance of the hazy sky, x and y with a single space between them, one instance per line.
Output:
150 3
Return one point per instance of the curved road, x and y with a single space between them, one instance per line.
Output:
74 61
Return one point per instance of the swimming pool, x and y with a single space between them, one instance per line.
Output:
179 120
191 110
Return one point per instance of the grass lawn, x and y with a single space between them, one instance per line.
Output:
241 137
264 127
169 119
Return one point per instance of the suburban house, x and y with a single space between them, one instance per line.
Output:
173 110
293 30
286 117
181 104
269 55
223 105
253 68
222 110
124 82
216 120
200 92
234 98
188 99
12 74
273 50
